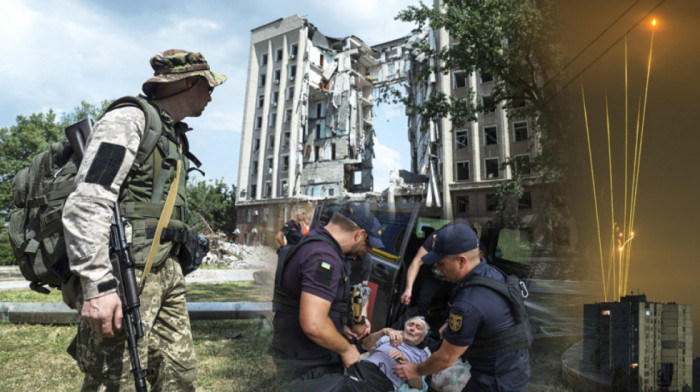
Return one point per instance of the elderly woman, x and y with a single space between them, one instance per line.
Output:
388 347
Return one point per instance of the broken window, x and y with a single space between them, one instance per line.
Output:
263 59
488 104
522 164
290 93
283 187
490 135
462 171
278 75
491 167
270 164
463 204
333 151
261 80
275 97
273 119
253 191
525 201
293 51
270 141
331 191
278 54
459 79
258 122
285 163
318 130
319 110
461 139
261 101
285 138
486 77
491 202
257 144
254 169
292 70
268 192
520 132
287 115
317 153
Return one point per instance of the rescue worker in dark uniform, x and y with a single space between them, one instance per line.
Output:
292 231
311 297
476 313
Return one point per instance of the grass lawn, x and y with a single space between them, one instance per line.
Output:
33 357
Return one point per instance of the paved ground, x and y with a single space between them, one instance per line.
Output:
253 259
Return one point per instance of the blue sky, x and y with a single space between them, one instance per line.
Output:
60 52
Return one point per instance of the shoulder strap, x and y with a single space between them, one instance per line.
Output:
152 130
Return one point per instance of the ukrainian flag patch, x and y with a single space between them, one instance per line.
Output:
324 273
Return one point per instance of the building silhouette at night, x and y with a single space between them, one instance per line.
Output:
638 345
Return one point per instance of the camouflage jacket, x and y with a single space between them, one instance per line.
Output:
87 215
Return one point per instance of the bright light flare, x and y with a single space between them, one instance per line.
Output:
653 22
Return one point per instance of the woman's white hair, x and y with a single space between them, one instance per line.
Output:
426 327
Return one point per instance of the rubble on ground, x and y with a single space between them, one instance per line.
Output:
227 254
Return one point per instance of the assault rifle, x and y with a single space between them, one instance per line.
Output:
122 264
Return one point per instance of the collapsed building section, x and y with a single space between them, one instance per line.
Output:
307 124
308 132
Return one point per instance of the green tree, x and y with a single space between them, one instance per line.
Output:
31 135
213 206
21 142
513 42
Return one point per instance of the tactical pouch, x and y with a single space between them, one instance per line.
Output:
194 247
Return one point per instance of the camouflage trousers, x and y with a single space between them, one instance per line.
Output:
166 346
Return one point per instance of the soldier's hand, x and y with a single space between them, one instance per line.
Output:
350 356
101 313
406 297
348 333
442 329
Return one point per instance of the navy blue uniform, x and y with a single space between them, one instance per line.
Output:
429 284
292 231
479 312
316 268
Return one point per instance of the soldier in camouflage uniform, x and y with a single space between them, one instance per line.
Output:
181 88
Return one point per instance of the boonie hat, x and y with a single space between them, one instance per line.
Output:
176 64
360 214
451 240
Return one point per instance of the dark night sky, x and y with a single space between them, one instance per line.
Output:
664 265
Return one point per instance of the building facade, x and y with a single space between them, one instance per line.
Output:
308 133
639 345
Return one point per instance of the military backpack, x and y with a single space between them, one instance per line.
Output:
39 192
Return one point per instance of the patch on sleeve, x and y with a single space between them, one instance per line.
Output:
455 322
324 273
106 164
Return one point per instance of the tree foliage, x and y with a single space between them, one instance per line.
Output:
509 40
213 206
515 43
29 136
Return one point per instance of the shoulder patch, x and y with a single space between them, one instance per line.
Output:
324 273
455 322
106 163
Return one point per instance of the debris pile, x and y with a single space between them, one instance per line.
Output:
227 254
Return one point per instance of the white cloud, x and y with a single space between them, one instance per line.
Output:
385 160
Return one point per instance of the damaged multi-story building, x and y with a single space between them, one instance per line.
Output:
308 132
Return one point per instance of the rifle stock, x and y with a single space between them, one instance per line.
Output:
122 264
